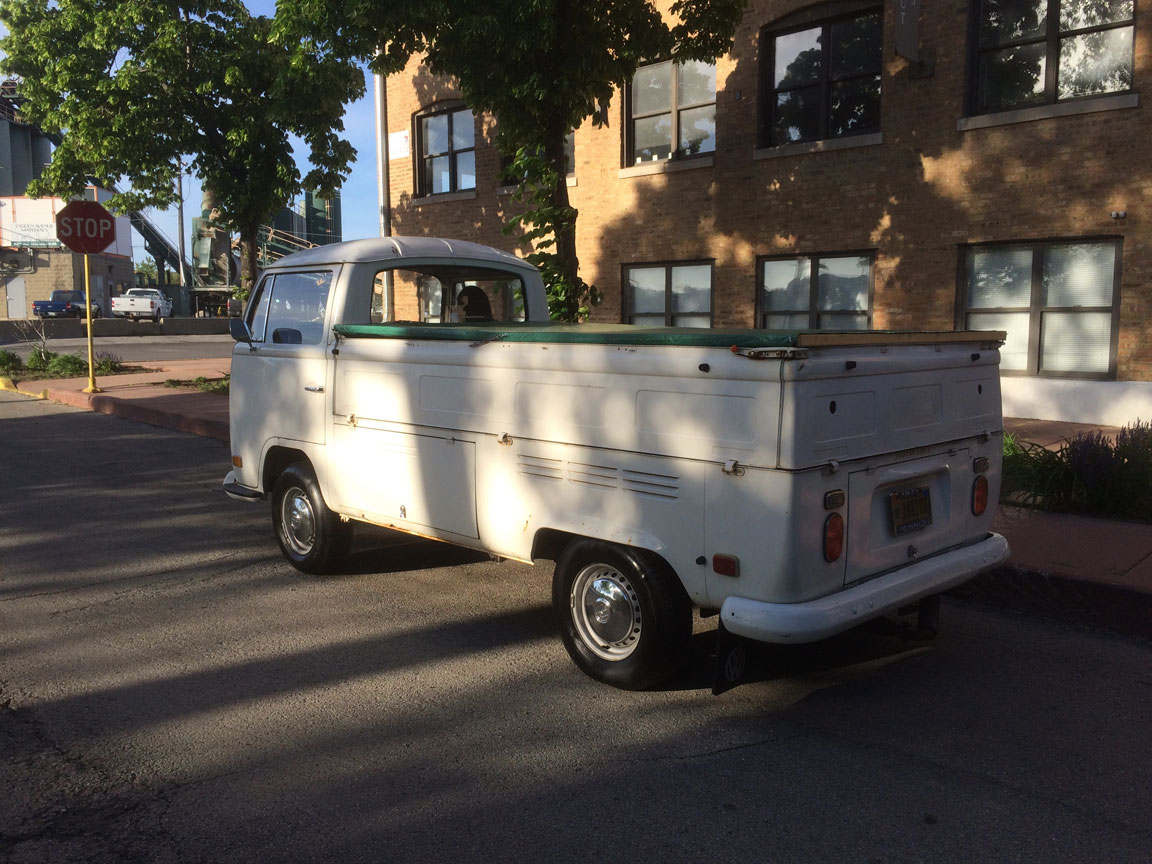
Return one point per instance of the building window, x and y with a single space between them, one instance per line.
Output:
1037 52
671 111
669 295
447 148
829 292
822 82
1056 301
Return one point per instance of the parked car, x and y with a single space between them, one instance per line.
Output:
63 304
142 303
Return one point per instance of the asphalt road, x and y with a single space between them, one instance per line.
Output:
171 691
135 349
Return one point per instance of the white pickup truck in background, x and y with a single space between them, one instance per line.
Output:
794 483
142 303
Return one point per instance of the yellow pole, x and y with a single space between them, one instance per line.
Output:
91 388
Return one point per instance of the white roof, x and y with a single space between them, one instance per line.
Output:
388 248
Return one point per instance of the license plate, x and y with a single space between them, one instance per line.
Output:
911 509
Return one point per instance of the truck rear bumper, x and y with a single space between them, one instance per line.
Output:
826 616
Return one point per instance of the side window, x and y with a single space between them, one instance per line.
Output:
258 309
382 308
825 292
669 295
447 148
823 81
289 308
671 111
1058 303
1039 52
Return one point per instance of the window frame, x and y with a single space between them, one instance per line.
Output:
628 152
1036 310
629 313
423 162
836 13
813 311
1051 39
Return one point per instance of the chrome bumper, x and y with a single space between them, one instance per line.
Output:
240 493
827 616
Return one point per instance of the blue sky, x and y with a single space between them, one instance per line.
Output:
357 197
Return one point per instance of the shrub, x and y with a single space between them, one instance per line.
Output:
39 359
68 366
108 364
10 361
1088 474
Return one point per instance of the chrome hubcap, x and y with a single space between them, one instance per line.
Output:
606 611
298 520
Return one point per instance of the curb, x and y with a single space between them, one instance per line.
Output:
142 413
9 386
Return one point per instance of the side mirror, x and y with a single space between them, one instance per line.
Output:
238 328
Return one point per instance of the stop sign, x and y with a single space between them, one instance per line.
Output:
85 226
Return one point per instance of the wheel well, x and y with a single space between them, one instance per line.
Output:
276 461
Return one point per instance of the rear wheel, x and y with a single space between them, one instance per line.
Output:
310 535
623 615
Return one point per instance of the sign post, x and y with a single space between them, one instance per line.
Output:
86 227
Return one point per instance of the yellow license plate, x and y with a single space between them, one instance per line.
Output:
911 509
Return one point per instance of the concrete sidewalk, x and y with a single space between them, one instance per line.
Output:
1091 571
142 396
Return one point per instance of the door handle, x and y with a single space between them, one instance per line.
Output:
314 388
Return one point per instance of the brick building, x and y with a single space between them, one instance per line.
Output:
999 179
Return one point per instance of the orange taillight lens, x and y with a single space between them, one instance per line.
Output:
833 537
979 495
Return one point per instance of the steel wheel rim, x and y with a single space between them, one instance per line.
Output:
605 610
297 521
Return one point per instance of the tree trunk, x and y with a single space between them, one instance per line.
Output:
248 271
565 226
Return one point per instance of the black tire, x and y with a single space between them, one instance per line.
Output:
622 614
310 535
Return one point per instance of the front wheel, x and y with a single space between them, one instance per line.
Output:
310 535
623 615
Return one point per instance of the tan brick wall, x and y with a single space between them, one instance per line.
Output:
915 199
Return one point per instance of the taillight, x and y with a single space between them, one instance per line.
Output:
833 537
979 495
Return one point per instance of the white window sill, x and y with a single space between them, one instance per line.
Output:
466 195
666 166
1045 112
827 145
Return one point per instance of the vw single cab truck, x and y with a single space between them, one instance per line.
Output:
793 483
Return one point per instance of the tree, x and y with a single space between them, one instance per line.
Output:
147 269
541 67
133 86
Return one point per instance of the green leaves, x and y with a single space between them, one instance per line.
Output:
135 86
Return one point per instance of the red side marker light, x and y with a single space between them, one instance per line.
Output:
726 565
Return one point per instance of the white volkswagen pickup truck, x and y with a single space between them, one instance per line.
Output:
795 483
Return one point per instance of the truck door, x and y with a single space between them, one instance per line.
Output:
278 380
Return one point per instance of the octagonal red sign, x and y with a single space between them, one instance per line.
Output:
85 226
